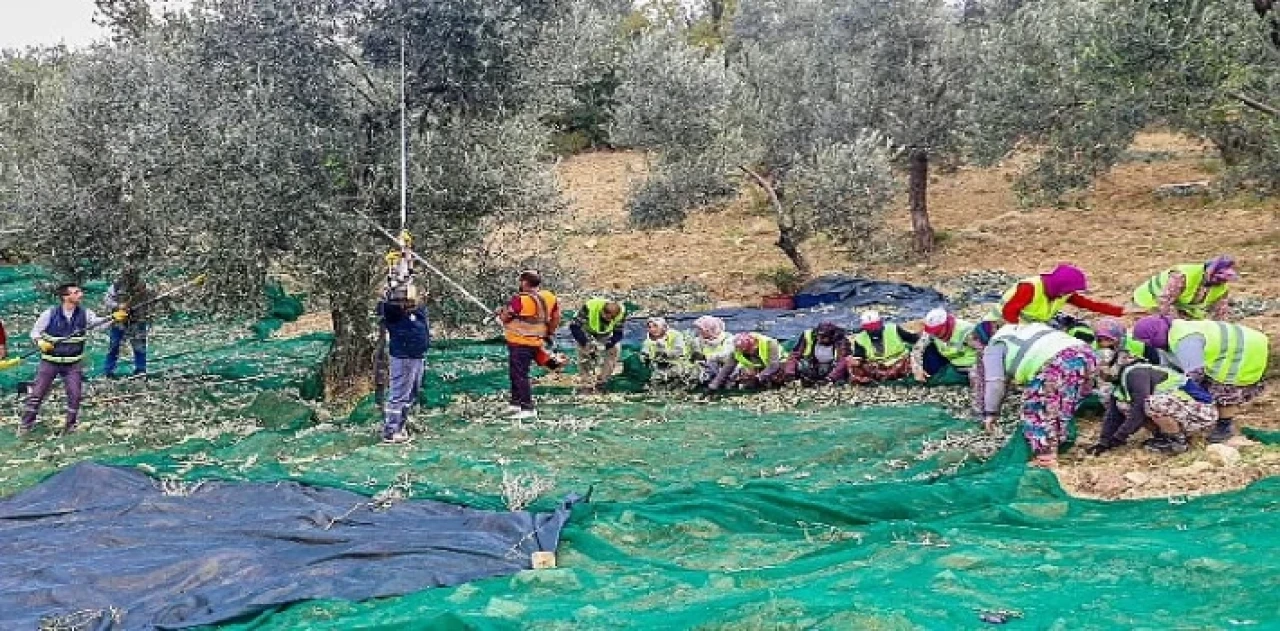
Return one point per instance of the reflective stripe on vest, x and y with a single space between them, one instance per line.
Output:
67 336
956 349
1040 309
894 349
535 326
710 349
1147 295
1234 355
763 346
1029 347
595 311
1172 384
668 342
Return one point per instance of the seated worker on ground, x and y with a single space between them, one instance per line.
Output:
1055 370
757 363
881 351
819 356
1160 399
1193 292
945 343
1039 298
1228 360
710 348
597 328
666 353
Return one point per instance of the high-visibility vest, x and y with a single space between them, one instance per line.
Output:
764 348
1172 383
1148 294
1134 347
956 348
66 334
531 330
1028 347
595 317
894 348
671 346
710 349
1234 354
1040 309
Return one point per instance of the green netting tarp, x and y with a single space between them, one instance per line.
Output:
850 508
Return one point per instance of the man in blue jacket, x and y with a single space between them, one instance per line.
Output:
409 337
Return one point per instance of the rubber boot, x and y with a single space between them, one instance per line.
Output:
1223 431
1169 444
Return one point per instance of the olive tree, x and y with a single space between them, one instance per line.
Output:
252 138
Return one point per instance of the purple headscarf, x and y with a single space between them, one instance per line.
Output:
1110 329
1220 269
1153 331
1064 280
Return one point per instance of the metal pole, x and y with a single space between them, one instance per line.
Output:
404 144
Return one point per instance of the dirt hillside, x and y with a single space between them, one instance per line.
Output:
1125 233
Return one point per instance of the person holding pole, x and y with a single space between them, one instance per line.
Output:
409 337
60 333
128 290
529 321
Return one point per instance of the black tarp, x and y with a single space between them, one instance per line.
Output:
94 537
842 297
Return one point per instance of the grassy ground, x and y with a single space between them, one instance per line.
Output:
1122 235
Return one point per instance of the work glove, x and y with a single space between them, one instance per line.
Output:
45 346
393 258
406 239
120 315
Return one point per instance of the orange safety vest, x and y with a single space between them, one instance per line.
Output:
529 327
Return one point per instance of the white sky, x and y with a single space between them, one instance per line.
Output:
28 22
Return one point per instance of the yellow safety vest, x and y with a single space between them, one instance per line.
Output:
595 317
1172 383
956 349
764 345
1040 309
1234 354
1028 347
1147 294
894 349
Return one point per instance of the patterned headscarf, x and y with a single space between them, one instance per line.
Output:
1112 329
1064 280
709 326
1220 269
1153 331
829 331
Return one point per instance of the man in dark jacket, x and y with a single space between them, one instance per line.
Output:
409 337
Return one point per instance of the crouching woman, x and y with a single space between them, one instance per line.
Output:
1055 371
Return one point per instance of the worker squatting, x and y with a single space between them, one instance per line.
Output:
1182 369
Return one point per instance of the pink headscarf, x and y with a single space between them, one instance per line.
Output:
1064 280
709 326
1153 331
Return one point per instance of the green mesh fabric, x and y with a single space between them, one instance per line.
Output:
855 508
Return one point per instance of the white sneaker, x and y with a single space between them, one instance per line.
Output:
524 415
399 437
512 409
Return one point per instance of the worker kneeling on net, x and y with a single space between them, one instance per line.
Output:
60 335
1228 360
1158 398
710 348
408 339
1055 370
757 363
597 328
819 356
881 351
665 353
